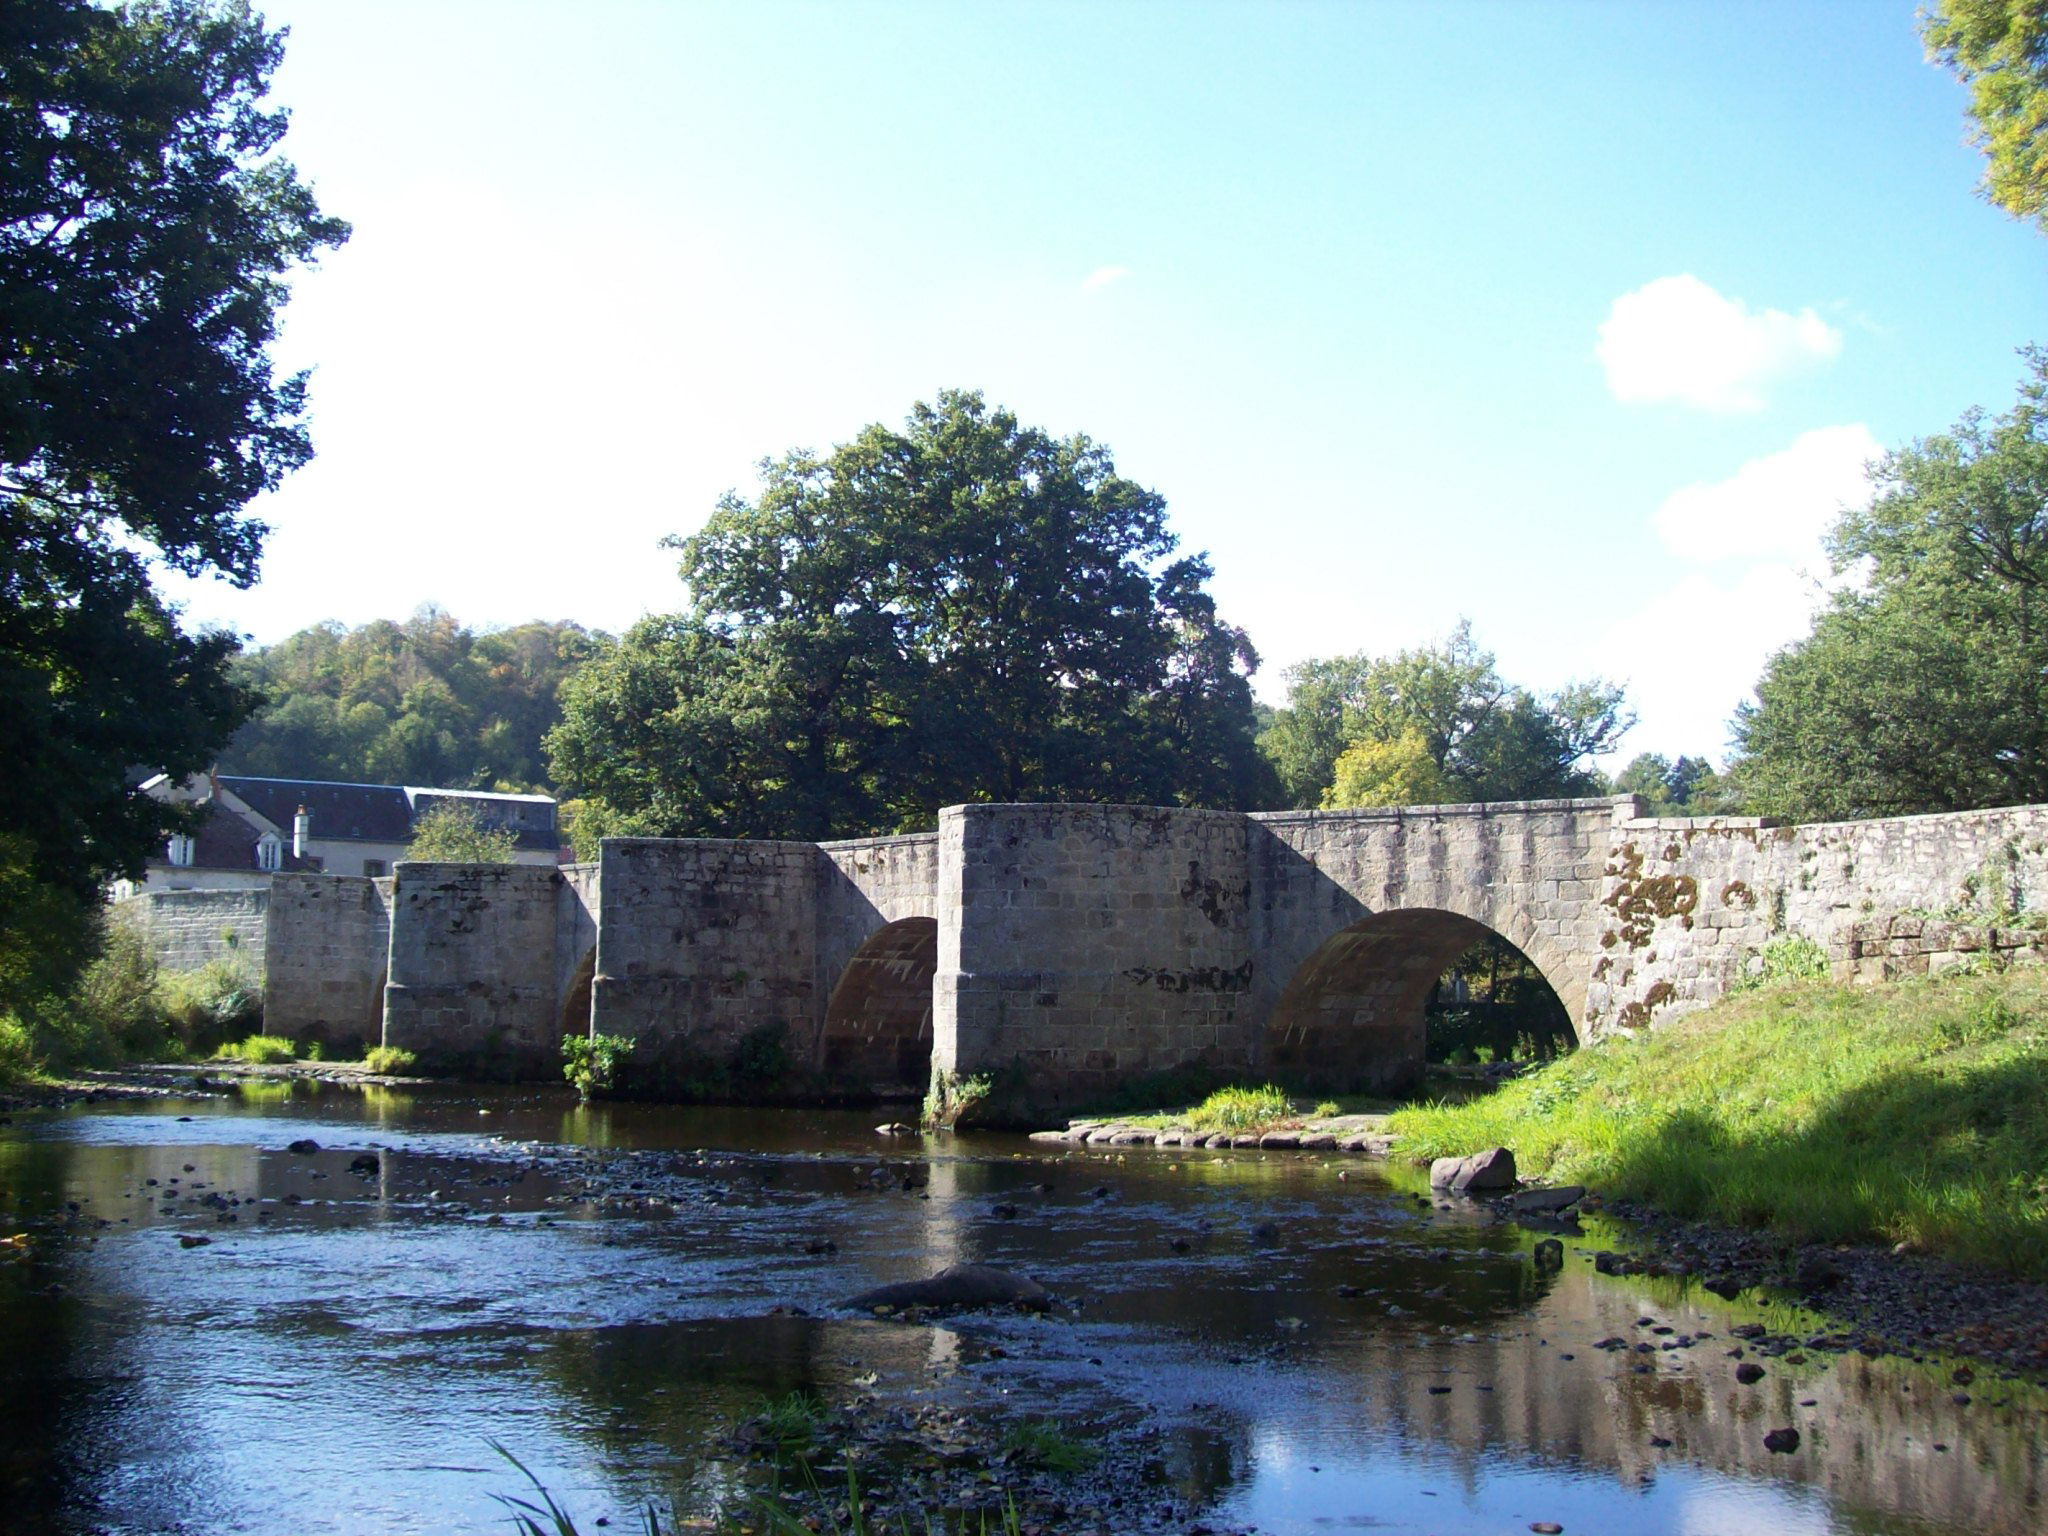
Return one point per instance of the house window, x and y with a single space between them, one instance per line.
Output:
373 867
269 852
180 850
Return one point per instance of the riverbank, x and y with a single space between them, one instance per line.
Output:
1912 1115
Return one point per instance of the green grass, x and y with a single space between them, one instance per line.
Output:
262 1050
1241 1109
389 1060
1914 1112
1046 1447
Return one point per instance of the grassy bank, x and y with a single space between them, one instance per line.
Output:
1914 1112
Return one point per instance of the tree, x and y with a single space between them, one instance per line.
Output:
964 609
1688 787
1923 685
1436 721
1999 49
426 701
455 832
146 228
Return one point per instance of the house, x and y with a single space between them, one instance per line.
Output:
254 828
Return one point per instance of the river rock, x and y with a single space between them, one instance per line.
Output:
1783 1441
1280 1139
1538 1201
1549 1254
365 1163
963 1285
305 1147
1492 1169
1749 1373
895 1128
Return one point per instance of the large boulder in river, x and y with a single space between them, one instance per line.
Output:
1492 1169
964 1285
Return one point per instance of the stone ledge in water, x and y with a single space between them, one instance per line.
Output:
963 1285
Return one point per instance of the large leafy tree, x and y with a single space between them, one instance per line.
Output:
1436 722
1924 683
967 608
1999 49
146 229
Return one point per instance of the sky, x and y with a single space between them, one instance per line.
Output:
1578 321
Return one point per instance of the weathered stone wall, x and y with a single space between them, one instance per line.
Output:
1356 913
325 948
877 951
1082 946
705 942
1689 904
577 904
190 929
1893 948
473 969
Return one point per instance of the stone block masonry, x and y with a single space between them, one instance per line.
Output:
1062 951
473 989
188 930
1082 946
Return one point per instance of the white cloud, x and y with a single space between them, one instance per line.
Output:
1102 277
1678 339
1779 504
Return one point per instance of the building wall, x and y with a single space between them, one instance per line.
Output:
472 986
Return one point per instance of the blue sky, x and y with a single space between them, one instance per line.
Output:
1574 320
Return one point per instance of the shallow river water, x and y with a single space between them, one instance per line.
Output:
609 1292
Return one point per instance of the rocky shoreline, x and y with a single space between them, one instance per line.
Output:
1341 1133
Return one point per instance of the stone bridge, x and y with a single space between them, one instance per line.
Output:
1065 950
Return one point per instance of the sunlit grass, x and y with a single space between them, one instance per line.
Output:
1914 1112
260 1050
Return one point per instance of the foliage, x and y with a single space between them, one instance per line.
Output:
389 1060
791 1421
950 1098
966 609
1043 1445
260 1050
1436 721
1493 1004
209 1005
426 701
1687 787
1787 960
457 831
1924 685
1398 772
1999 49
1240 1109
1912 1112
146 229
591 1062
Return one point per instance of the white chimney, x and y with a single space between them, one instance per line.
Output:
302 832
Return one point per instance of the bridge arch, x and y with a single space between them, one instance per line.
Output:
878 1020
1352 1016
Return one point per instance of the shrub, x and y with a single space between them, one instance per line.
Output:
210 1005
1789 959
262 1050
1240 1109
592 1061
389 1060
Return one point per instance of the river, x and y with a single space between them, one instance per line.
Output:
1289 1341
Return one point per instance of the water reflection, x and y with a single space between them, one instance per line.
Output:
610 1289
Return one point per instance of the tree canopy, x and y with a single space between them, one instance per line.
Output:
1923 685
965 609
427 701
456 832
1999 49
146 229
1435 723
